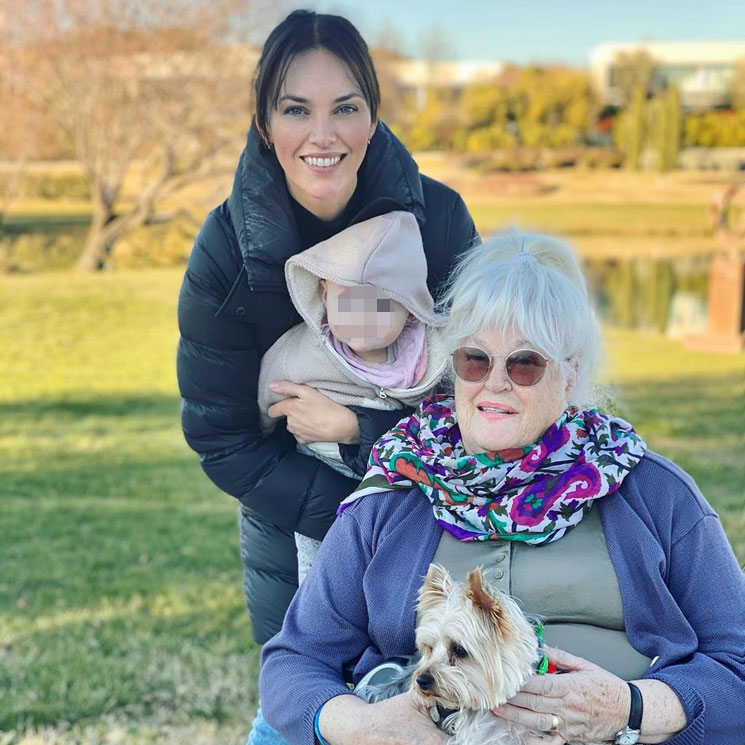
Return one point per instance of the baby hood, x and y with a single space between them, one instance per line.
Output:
385 252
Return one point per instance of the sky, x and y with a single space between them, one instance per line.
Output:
525 31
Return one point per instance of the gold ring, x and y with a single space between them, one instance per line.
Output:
554 723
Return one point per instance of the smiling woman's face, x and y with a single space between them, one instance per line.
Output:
495 413
320 131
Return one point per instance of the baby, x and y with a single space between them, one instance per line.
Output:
369 335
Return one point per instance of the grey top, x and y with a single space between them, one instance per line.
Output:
570 583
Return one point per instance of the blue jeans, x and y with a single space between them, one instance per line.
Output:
262 734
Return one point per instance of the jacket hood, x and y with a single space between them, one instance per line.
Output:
260 208
384 252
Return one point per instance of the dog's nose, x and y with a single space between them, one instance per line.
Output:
425 681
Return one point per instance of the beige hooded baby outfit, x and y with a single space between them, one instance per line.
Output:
384 252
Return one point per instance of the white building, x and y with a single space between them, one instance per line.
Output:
419 75
702 70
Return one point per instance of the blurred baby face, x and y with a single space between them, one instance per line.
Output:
362 317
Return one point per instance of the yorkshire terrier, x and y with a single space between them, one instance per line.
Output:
476 648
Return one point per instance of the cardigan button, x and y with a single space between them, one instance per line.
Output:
499 574
500 557
240 310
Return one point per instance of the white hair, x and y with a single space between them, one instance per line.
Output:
531 285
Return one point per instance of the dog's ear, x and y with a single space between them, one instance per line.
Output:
480 597
437 585
478 594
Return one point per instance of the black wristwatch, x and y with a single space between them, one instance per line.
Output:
631 734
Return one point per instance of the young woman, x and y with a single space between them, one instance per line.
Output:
317 160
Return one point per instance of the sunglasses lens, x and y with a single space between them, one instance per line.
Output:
471 364
525 367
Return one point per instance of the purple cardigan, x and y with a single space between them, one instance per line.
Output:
683 598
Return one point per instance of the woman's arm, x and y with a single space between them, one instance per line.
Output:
218 364
694 700
327 627
324 628
709 588
347 720
663 714
311 415
448 230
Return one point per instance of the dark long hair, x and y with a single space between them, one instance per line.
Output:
301 31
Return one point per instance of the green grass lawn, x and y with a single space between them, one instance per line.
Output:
613 219
489 213
120 586
121 606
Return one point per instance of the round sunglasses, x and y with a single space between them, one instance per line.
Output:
524 367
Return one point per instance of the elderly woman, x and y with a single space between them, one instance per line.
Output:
565 507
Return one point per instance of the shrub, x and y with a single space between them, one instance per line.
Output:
40 251
716 129
159 245
492 137
599 157
51 186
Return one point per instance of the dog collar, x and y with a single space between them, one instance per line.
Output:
542 665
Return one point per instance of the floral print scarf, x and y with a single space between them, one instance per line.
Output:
533 494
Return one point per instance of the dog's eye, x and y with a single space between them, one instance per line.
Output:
459 651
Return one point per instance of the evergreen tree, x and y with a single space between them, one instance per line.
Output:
631 129
669 130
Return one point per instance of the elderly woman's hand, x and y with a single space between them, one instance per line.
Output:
591 704
313 417
347 720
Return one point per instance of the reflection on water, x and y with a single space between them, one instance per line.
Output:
664 295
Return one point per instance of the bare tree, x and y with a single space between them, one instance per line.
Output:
152 93
16 128
15 125
387 54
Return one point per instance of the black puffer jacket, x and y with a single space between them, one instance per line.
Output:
234 305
